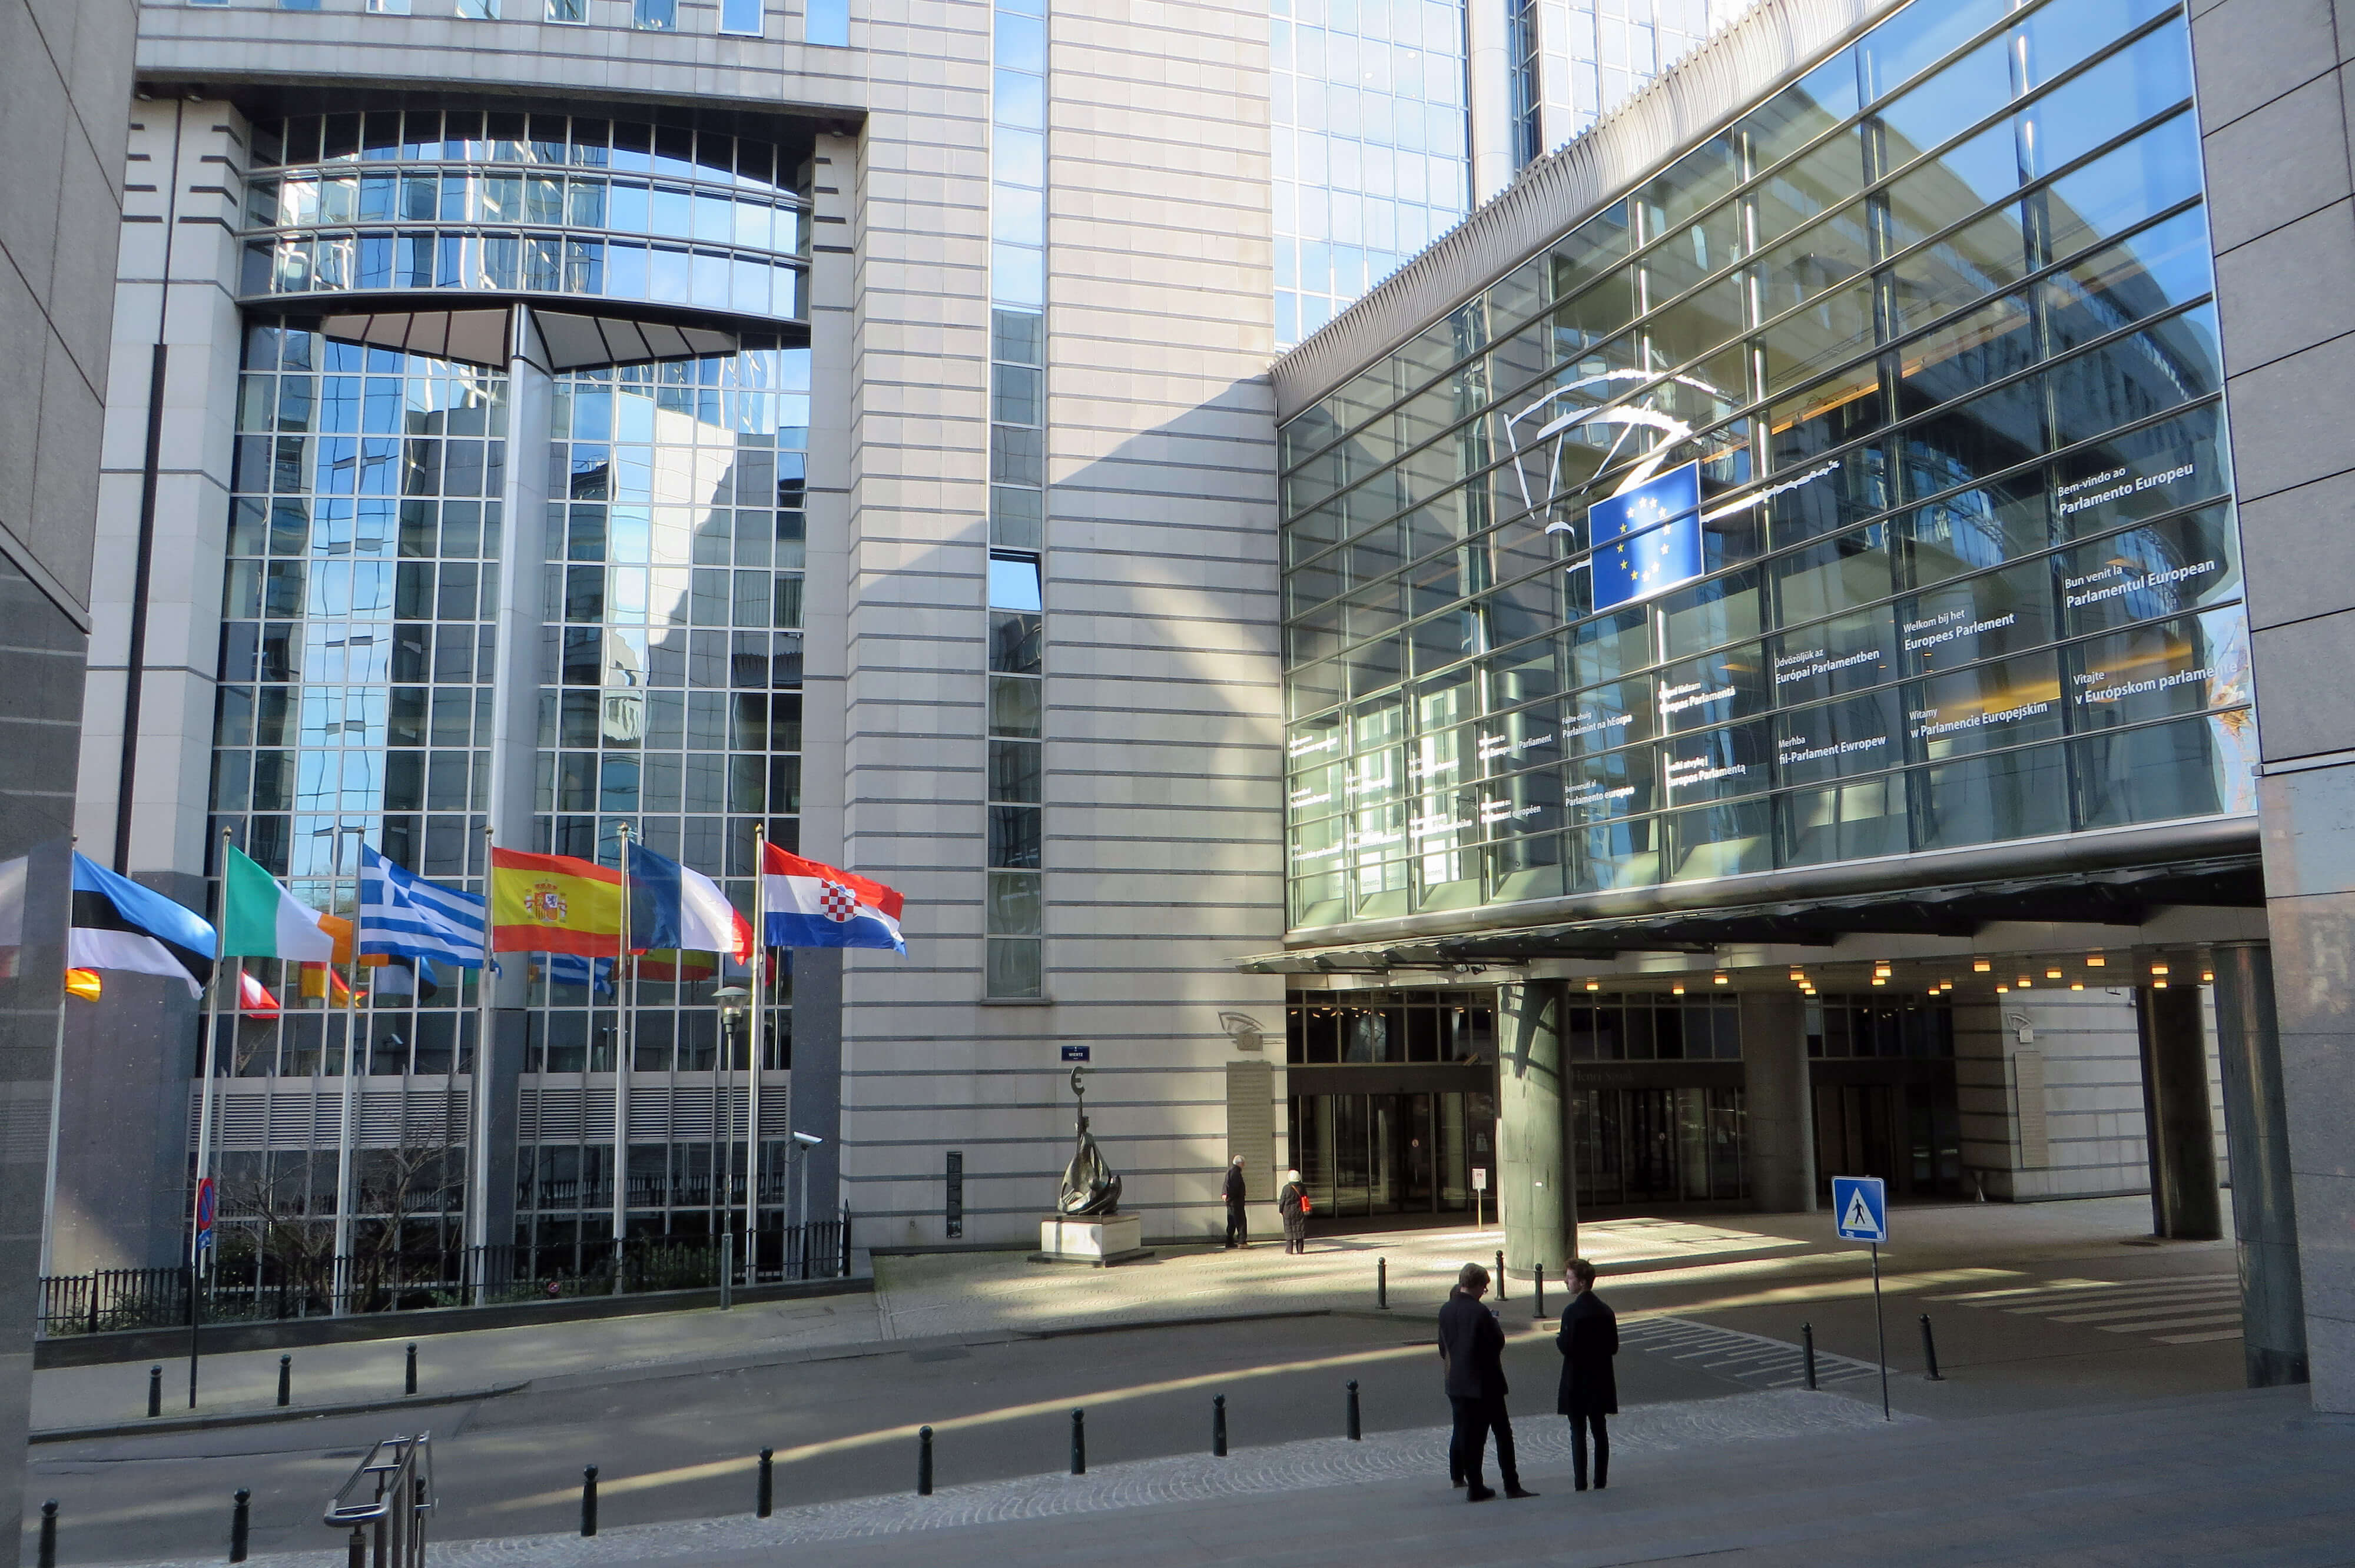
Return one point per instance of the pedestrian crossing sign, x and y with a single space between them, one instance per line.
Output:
1861 1207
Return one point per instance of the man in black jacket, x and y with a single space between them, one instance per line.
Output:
1472 1344
1590 1389
1238 1229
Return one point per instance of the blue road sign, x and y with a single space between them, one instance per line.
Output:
1861 1205
1075 1053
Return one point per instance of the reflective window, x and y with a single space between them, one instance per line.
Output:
358 631
725 231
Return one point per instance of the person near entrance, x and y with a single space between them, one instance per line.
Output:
1590 1389
1238 1228
1293 1204
1472 1347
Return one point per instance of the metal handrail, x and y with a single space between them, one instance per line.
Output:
393 1491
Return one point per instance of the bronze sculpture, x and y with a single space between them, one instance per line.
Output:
1090 1188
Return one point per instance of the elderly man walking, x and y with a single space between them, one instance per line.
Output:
1472 1344
1238 1228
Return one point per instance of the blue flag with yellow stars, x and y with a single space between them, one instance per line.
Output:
1647 538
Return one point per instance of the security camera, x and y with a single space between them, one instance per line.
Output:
808 1140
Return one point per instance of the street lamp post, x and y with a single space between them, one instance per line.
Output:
734 1008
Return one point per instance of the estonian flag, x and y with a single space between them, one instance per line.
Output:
118 924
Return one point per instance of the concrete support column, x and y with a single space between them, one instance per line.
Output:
2184 1203
1535 1199
2256 1130
1488 74
1778 1104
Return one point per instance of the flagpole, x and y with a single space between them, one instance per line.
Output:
624 1044
759 1020
205 1085
478 1176
347 1135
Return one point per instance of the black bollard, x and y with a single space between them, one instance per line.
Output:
1356 1434
1501 1275
1540 1274
1929 1349
589 1499
239 1525
285 1380
1383 1284
924 1462
1808 1340
1219 1426
410 1384
155 1391
48 1557
1079 1442
764 1503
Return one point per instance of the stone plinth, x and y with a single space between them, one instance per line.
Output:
1100 1240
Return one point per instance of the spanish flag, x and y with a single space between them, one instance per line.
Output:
555 904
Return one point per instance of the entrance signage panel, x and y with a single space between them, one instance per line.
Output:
1075 1053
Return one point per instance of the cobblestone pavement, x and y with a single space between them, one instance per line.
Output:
1543 1448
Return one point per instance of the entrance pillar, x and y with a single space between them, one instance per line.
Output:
1778 1108
2184 1205
2256 1131
1534 1197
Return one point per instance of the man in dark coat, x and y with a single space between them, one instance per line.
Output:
1590 1389
1238 1229
1472 1344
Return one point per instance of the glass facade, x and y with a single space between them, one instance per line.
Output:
1598 52
359 641
1015 964
1370 145
1854 486
354 707
534 204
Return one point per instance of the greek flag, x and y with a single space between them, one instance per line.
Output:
406 916
573 968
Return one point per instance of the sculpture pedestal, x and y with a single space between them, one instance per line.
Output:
1100 1240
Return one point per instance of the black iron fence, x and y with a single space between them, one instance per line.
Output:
261 1286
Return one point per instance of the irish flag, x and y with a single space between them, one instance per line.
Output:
259 919
808 904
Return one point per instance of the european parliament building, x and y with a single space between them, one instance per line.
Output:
1425 609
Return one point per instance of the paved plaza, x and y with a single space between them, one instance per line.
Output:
2053 1312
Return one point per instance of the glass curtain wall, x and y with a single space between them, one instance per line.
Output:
670 703
1015 965
353 706
1371 139
1597 53
1852 487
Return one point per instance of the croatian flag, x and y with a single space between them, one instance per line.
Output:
806 903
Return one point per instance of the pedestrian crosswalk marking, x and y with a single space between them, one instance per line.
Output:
2144 1308
2203 1302
1750 1358
2146 1328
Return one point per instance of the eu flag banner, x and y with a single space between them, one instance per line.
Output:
1647 539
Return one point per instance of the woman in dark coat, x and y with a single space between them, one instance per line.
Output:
1293 1204
1590 1390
